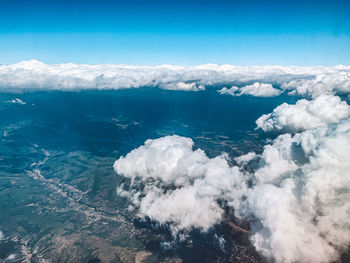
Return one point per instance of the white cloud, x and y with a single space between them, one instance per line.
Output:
257 89
305 114
260 90
305 81
199 182
298 201
301 196
2 236
334 80
183 86
246 158
17 101
231 91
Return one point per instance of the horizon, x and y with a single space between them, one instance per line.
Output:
177 65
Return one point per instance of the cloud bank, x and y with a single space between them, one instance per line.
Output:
302 81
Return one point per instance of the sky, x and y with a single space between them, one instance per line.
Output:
244 32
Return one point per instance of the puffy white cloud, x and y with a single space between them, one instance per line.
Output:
246 158
260 90
305 114
297 201
301 196
17 101
231 91
257 89
181 186
305 81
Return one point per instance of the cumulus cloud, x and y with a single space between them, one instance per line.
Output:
305 114
301 196
246 158
182 186
305 81
260 90
231 91
257 90
297 198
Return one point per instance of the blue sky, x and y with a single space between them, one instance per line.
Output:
189 32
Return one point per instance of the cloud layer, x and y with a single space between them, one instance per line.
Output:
304 81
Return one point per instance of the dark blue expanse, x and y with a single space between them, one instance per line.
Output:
57 184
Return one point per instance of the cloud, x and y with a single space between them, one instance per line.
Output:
181 186
246 158
257 89
260 90
231 91
2 236
304 81
17 101
296 197
305 114
182 86
332 81
300 199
